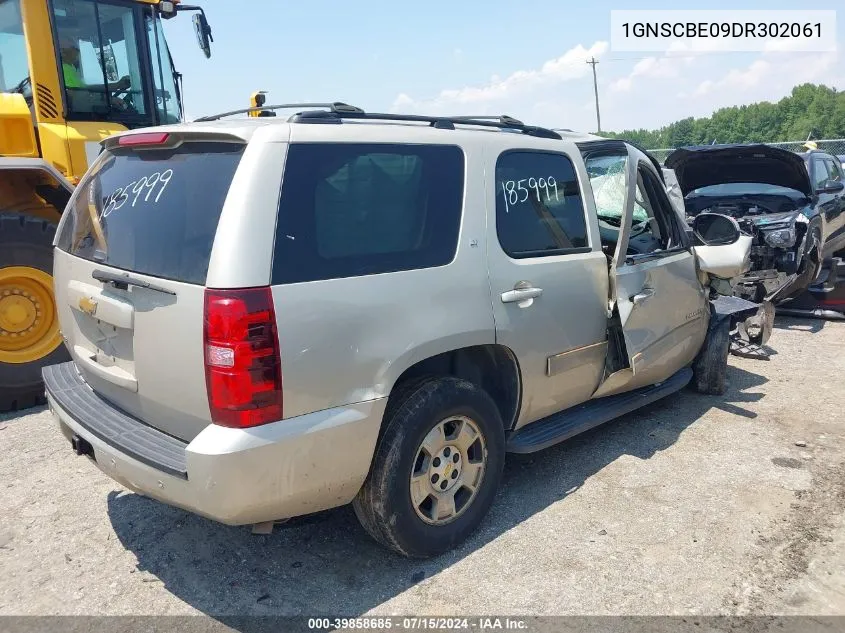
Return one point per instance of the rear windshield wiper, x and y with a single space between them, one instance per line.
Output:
125 280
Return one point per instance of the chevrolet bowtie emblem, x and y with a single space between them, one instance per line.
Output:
88 305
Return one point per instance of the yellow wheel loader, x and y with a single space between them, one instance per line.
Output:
72 72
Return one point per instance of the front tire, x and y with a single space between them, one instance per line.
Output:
710 369
436 469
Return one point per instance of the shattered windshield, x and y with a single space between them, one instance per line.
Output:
607 177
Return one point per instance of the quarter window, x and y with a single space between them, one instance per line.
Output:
539 211
360 209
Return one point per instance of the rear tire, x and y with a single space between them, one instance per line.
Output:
26 242
437 427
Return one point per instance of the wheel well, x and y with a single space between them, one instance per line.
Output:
33 192
491 367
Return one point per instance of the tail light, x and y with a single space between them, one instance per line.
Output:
243 369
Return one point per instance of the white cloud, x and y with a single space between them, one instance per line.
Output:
646 93
647 98
772 70
736 78
506 92
666 67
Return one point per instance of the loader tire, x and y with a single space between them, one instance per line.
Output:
29 329
710 367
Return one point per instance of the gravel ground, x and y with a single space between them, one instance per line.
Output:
694 505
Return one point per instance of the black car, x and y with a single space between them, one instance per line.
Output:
826 169
791 204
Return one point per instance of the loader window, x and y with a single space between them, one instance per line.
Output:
100 61
13 66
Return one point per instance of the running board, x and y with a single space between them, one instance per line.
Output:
565 424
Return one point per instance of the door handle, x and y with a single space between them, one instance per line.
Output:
522 294
641 297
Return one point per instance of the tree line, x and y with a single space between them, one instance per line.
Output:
814 111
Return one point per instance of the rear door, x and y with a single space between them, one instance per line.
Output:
132 257
548 276
376 264
654 285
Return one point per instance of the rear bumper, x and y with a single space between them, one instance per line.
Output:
235 476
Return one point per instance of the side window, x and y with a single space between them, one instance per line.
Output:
661 230
820 174
349 209
834 170
539 211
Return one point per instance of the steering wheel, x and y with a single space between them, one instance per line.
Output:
123 100
616 222
639 227
121 91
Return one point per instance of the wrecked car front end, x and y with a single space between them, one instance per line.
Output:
768 192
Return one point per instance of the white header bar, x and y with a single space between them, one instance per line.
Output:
722 30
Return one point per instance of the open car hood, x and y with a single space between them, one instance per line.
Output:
705 165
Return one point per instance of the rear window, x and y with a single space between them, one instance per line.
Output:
153 211
358 209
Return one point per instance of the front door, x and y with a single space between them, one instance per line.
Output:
548 276
833 205
654 287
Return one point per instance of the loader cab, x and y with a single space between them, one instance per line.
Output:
114 63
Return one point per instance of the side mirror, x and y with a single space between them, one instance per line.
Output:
831 186
203 31
714 229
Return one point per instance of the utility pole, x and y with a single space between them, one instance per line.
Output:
592 62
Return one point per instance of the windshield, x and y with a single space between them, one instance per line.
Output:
607 177
13 66
164 75
744 189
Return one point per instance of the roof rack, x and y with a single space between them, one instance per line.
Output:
337 111
337 107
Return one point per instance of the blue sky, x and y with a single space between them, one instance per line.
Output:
476 58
